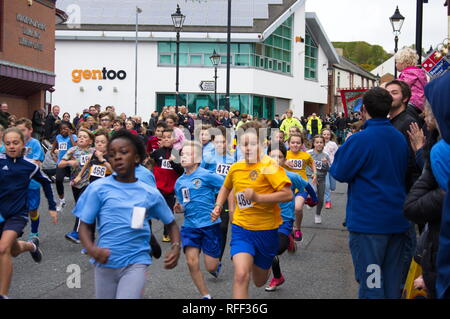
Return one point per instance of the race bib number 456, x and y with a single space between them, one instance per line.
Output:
243 203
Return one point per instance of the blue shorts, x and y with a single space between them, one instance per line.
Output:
303 194
15 223
261 244
286 227
34 199
207 239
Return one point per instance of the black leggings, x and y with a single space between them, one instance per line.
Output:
76 194
225 217
283 245
60 174
170 200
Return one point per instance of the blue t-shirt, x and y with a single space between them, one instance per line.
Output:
287 209
64 144
218 164
112 204
34 151
145 175
2 148
196 192
440 163
208 148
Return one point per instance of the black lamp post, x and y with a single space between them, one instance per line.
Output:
397 22
215 59
178 20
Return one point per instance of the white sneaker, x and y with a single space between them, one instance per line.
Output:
60 205
318 219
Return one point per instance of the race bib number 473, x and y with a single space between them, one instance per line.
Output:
222 169
243 203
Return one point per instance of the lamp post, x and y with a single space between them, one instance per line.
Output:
378 78
227 96
215 59
396 21
138 10
178 20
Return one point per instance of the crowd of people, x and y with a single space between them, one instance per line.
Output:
219 168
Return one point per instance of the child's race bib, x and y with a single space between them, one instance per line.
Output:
297 163
84 159
166 164
242 202
98 171
62 146
223 169
137 219
318 164
186 195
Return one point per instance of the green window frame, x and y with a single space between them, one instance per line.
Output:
311 57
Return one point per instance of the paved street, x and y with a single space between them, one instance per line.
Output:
321 267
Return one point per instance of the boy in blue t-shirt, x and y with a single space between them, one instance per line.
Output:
195 191
35 153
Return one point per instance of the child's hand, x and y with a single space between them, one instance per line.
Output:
250 195
215 214
54 215
76 180
172 158
100 255
314 180
178 208
419 283
289 164
171 258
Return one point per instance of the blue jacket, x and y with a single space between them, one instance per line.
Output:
437 93
15 177
373 162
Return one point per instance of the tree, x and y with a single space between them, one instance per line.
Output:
364 54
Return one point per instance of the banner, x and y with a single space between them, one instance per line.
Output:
352 100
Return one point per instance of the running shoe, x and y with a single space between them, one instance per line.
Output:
166 238
216 273
206 297
155 248
292 247
328 205
37 254
317 219
32 235
298 236
84 251
73 237
60 206
274 283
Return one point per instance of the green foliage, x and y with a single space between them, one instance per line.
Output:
364 54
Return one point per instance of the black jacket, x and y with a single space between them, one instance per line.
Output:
424 205
50 127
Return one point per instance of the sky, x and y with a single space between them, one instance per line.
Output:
368 20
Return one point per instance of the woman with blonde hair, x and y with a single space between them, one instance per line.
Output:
405 62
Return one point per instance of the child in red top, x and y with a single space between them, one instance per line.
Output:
154 142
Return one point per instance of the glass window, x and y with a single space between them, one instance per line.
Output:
311 56
241 59
165 59
183 58
195 59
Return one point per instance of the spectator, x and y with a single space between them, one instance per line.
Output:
275 123
376 223
38 122
51 127
289 122
314 125
4 115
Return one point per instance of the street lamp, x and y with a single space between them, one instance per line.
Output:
215 59
397 22
377 79
178 20
138 10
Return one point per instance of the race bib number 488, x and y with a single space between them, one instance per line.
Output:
243 203
297 163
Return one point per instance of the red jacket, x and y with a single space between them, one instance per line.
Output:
152 144
166 172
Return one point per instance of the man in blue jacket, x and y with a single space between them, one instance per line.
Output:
373 162
437 93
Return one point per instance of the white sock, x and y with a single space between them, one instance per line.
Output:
207 297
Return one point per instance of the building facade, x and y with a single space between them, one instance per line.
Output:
27 53
277 61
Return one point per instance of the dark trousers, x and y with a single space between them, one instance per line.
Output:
60 174
76 194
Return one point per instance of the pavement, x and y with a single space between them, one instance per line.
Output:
320 269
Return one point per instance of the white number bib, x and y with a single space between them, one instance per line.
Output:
223 169
166 164
137 219
84 159
186 195
242 202
62 146
98 171
297 163
318 164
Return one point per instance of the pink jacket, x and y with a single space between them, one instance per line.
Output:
416 79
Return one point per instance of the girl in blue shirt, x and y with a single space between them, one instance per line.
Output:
123 206
195 191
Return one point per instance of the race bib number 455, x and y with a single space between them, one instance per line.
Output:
243 203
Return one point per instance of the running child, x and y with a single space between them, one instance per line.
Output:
122 205
34 152
259 185
195 191
75 158
323 163
63 141
330 148
166 172
154 142
286 241
15 177
296 162
219 162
